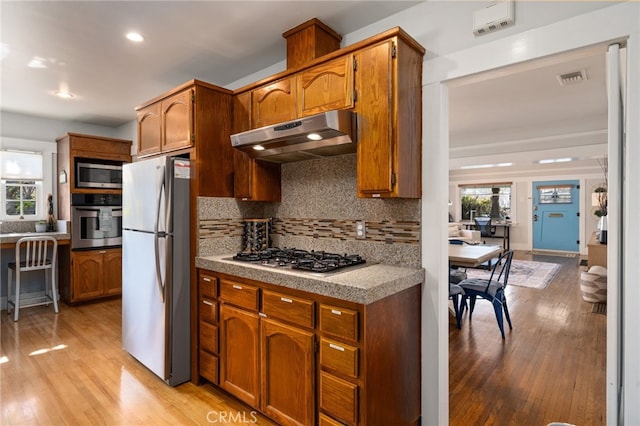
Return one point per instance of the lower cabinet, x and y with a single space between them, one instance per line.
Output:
306 359
239 354
287 366
95 274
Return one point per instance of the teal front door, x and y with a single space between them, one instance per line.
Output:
556 208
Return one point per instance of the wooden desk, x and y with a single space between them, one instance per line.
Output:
9 240
505 234
469 256
596 252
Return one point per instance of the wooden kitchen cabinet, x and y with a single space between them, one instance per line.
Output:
208 340
302 358
239 353
166 125
287 366
326 87
254 180
274 103
389 110
95 274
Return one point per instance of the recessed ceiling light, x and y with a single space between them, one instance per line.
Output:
555 160
134 36
64 95
37 62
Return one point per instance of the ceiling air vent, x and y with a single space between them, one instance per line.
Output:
572 78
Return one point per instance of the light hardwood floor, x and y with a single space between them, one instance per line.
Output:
550 367
70 369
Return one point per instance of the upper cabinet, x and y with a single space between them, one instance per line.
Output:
192 120
254 180
389 110
326 86
273 103
380 79
166 125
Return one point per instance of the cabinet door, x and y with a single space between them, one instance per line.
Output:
326 86
287 397
113 271
273 103
87 274
177 121
376 131
239 354
149 130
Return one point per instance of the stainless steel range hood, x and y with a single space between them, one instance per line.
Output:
320 135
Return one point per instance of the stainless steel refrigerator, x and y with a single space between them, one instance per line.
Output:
156 266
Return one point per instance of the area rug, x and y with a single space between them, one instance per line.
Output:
524 273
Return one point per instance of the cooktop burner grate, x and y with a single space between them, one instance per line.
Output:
313 261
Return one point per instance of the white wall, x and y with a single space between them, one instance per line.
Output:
30 127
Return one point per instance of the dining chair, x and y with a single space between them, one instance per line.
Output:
491 289
456 293
483 224
33 254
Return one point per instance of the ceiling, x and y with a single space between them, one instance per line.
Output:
83 46
518 114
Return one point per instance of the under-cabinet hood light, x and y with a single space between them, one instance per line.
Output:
314 137
259 148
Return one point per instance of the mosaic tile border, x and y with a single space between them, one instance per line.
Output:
387 231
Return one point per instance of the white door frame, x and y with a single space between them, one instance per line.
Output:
599 27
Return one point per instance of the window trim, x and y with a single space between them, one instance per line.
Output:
49 166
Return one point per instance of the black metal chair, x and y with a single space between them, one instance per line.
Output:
483 224
491 289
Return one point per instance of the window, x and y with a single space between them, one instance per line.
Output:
21 176
478 200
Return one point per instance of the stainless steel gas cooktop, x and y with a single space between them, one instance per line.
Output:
291 258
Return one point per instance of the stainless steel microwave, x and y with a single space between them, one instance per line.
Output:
98 175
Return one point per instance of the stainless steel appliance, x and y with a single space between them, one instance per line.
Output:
96 220
304 260
98 174
156 266
315 136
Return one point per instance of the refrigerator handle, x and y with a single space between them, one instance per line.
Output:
156 239
168 185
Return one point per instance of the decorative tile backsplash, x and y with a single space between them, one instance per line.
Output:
319 210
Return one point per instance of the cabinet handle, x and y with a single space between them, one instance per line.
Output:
336 347
206 302
207 279
103 251
262 314
237 287
335 312
285 299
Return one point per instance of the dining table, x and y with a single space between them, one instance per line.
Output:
472 256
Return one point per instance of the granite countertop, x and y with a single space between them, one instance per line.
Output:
365 284
13 237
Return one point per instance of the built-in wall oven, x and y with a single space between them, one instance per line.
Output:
96 221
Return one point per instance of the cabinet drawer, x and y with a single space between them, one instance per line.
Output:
208 286
244 296
340 357
209 366
208 310
296 310
339 398
339 322
208 337
324 420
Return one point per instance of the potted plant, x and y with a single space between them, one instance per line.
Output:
41 226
